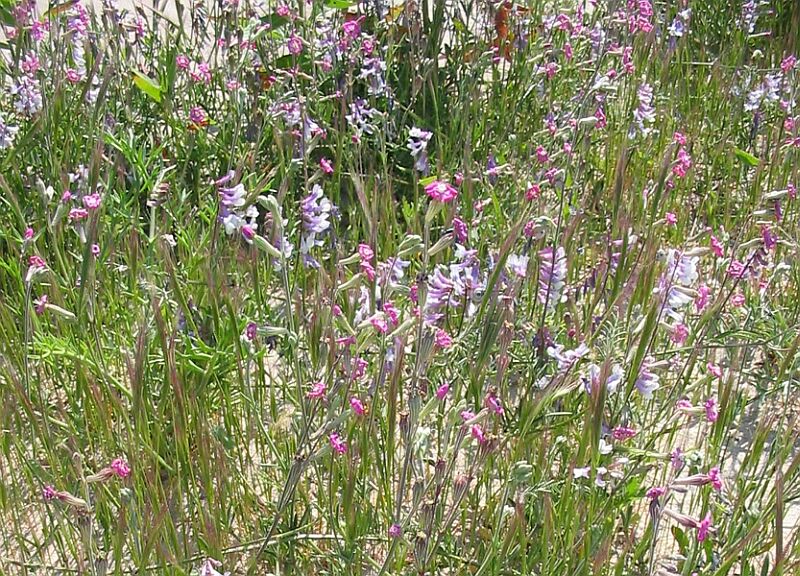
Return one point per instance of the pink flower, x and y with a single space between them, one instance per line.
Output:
714 370
493 403
379 323
715 478
251 330
541 155
711 410
671 219
679 334
441 391
197 116
392 312
365 252
95 250
357 406
788 63
460 232
737 269
28 233
359 368
295 44
395 531
701 301
201 73
655 492
37 262
477 433
182 61
704 528
441 191
73 76
317 391
601 118
458 178
49 493
40 304
339 445
533 192
120 468
368 270
78 214
442 339
679 138
568 51
92 201
676 458
467 415
622 433
326 166
737 300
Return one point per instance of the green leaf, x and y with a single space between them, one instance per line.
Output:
746 157
681 539
147 85
339 4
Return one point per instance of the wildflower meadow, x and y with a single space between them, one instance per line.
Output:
422 287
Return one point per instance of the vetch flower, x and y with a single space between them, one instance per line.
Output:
417 144
552 275
645 115
646 381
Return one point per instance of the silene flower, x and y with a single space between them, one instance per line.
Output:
441 191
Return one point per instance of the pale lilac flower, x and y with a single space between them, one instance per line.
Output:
645 114
417 144
567 358
28 96
581 472
518 264
552 275
591 379
209 568
7 134
646 381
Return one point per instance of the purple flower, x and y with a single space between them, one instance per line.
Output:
646 381
395 531
337 443
645 114
417 145
567 358
28 97
518 264
552 275
7 134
